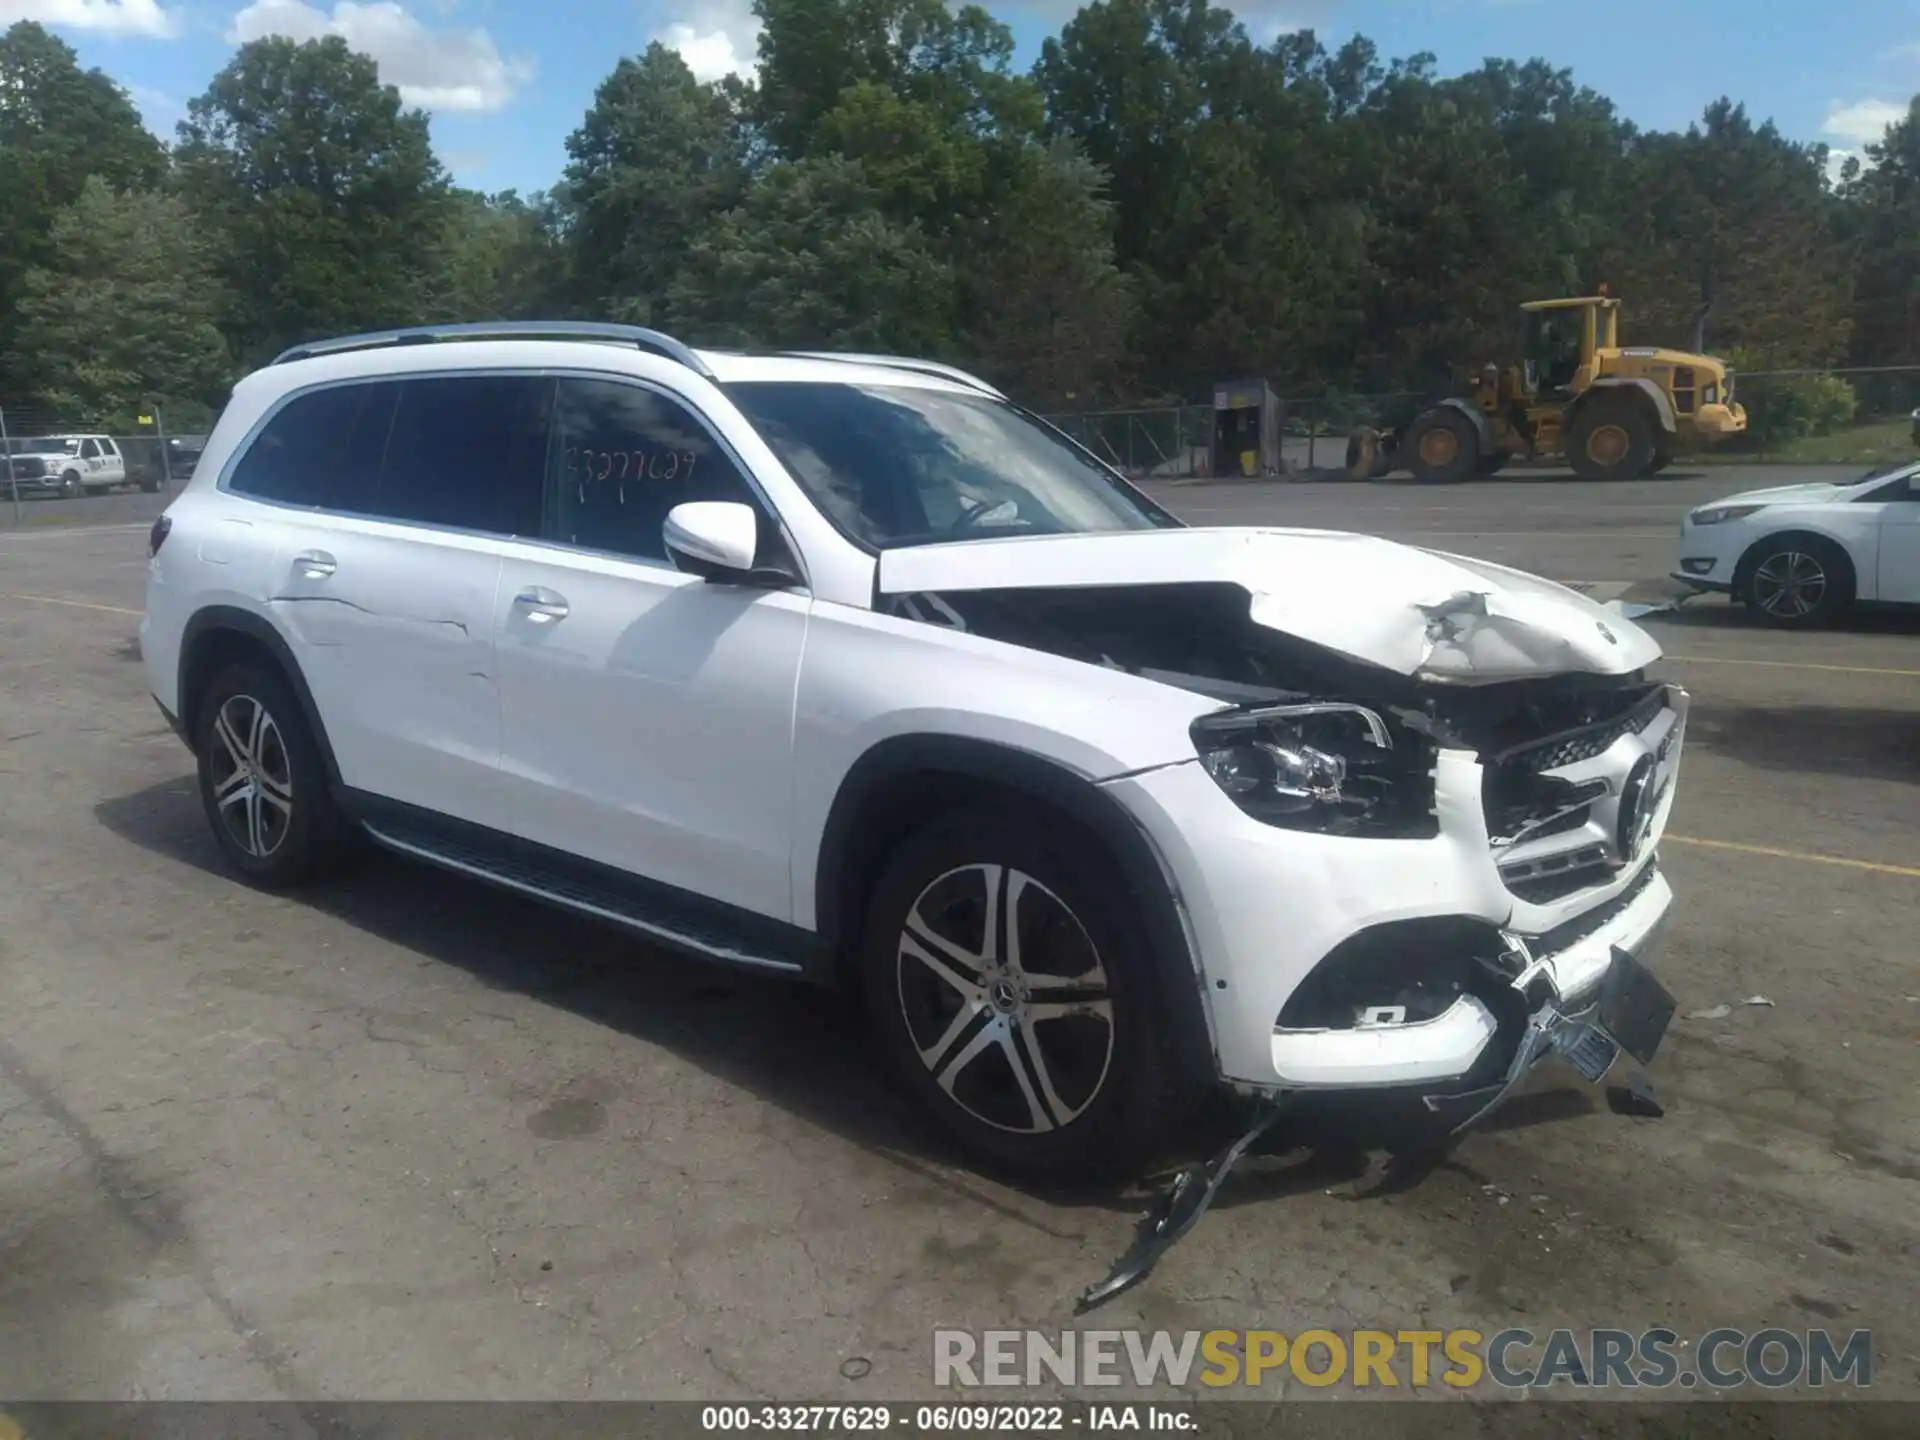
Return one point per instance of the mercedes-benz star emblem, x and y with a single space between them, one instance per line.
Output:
1636 810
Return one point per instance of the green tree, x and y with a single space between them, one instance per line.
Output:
955 62
124 317
1045 311
658 157
1235 210
332 207
1735 242
503 260
1883 212
59 125
809 260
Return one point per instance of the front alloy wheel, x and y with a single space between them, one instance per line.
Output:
1005 998
252 776
1016 991
1790 585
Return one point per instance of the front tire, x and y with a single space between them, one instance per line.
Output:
70 485
1796 581
1016 999
262 781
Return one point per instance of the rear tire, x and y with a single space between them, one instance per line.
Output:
1443 447
971 934
1795 582
1611 440
263 783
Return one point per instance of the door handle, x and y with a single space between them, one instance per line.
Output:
541 604
315 564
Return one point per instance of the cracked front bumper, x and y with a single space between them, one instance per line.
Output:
1556 982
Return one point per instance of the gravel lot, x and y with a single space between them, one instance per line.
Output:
407 1137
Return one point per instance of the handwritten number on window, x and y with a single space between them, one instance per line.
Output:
591 467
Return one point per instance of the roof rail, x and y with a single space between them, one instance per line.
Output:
649 340
902 362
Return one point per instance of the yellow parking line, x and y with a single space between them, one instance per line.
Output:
1789 665
1803 856
77 604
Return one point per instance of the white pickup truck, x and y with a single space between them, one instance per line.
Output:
70 465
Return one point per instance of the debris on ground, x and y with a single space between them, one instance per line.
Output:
1638 610
1723 1010
1635 1098
1178 1211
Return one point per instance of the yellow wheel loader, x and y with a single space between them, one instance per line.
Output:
1578 395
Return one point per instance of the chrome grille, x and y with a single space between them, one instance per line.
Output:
1572 746
1567 810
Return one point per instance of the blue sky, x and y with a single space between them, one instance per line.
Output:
507 80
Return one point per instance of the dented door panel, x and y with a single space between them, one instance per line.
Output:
392 625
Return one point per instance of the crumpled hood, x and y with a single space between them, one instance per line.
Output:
1420 613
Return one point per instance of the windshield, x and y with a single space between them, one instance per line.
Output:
66 444
899 465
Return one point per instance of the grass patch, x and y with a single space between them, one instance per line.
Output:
1879 442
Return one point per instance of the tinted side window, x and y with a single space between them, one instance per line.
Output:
469 452
90 450
622 458
321 449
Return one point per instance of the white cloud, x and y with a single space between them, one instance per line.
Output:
1837 161
1863 122
109 17
158 109
722 39
436 69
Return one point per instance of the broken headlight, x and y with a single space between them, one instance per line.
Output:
1326 766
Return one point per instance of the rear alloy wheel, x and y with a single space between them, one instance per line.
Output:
262 782
1796 582
1016 1001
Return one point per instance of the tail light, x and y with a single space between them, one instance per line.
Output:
157 536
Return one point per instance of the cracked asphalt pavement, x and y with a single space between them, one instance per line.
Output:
407 1137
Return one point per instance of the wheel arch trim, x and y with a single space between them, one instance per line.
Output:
210 620
1749 557
1656 397
1144 871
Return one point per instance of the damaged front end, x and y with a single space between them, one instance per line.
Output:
1450 780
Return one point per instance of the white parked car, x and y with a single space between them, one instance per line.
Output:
849 669
70 465
1800 554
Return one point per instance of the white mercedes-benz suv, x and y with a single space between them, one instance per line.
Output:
848 668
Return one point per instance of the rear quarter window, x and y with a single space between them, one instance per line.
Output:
321 449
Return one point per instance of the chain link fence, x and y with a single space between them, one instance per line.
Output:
45 461
1862 417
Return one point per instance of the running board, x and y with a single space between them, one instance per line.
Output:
582 895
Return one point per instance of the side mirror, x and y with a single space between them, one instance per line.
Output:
714 539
